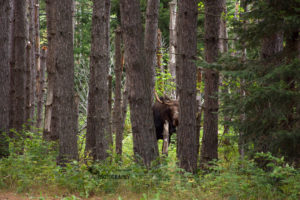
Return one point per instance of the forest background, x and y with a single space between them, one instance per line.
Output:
257 118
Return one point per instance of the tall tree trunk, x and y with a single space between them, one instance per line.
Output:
30 65
5 9
64 117
31 77
38 82
40 88
172 39
223 46
209 149
150 41
117 113
140 80
187 136
97 124
242 139
51 71
18 65
110 136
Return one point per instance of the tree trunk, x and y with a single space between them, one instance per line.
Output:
209 149
172 39
64 117
97 124
30 65
18 65
187 136
271 45
140 79
5 9
40 88
50 60
242 140
32 30
37 85
117 113
150 41
110 136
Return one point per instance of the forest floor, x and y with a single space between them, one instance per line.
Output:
9 195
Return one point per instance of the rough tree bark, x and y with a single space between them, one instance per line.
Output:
5 9
18 65
172 39
38 82
109 91
30 65
50 60
186 51
64 117
150 41
117 112
140 80
32 30
97 124
209 149
40 87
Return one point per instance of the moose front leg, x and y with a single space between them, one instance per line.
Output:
165 138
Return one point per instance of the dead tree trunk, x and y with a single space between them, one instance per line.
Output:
5 9
187 136
140 72
51 71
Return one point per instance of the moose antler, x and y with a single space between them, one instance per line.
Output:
157 98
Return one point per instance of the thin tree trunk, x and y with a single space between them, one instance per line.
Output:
223 46
186 51
40 88
30 65
5 9
117 113
110 136
140 77
209 149
97 124
32 41
38 82
172 39
18 65
51 70
28 83
242 140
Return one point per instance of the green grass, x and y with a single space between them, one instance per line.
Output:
35 172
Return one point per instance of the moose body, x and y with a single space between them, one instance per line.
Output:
165 109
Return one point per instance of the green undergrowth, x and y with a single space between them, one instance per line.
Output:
35 170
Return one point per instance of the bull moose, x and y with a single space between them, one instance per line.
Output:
165 109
